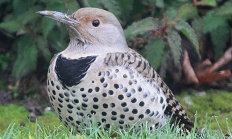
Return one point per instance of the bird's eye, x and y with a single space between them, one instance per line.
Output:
96 23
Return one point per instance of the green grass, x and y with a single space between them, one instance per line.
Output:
214 113
17 115
95 132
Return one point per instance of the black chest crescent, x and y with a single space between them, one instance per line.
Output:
71 71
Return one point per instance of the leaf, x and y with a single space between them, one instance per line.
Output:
187 30
72 6
112 6
59 39
212 3
28 16
211 21
159 3
42 45
47 26
27 57
57 6
11 26
164 65
154 52
20 7
23 30
5 61
185 11
152 3
174 41
197 27
91 3
156 3
171 13
219 38
126 8
52 2
140 27
224 10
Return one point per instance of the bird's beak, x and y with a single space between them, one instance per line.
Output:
58 16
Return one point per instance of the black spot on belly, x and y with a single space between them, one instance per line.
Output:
121 122
122 116
131 118
71 71
141 116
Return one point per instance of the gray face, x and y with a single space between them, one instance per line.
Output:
92 26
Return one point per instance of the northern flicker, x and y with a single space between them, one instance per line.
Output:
99 76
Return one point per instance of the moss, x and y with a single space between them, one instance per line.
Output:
214 103
14 114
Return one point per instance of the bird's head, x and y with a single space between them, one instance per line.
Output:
91 28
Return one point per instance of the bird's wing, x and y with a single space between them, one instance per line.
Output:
135 61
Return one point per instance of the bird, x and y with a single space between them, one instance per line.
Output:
98 76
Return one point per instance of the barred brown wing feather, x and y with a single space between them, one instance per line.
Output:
135 61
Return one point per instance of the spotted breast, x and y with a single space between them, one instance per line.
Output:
108 87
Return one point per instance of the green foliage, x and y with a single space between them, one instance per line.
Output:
4 61
91 3
186 29
27 58
32 34
209 2
42 45
187 11
219 39
197 25
41 35
217 25
168 30
11 26
225 10
154 51
211 21
72 6
112 6
38 38
174 42
140 27
47 26
158 3
126 7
